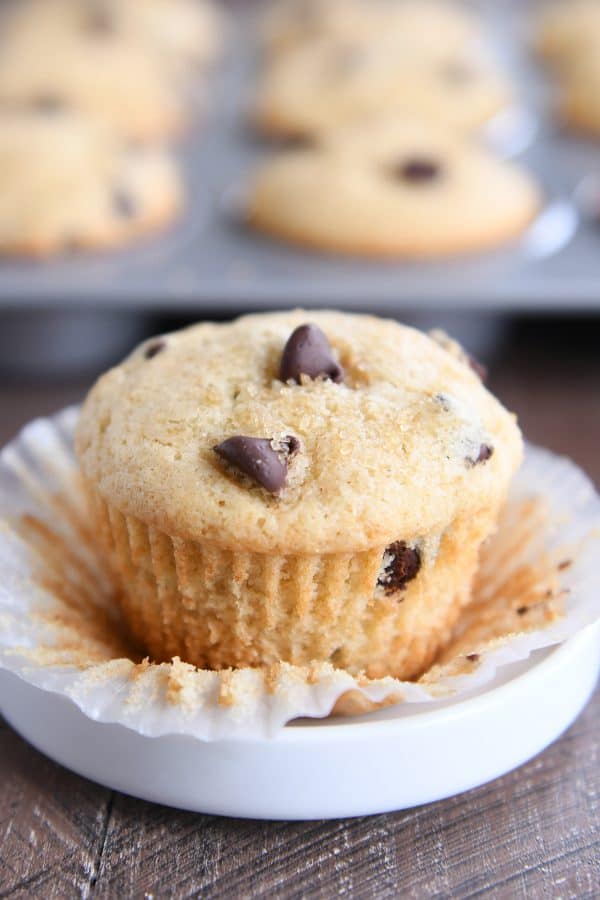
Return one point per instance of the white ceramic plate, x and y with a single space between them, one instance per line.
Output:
395 759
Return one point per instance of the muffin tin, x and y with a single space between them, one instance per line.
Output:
210 260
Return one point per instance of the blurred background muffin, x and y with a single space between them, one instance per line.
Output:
325 84
401 188
70 183
430 27
92 71
185 32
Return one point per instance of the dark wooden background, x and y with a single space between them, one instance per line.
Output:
534 833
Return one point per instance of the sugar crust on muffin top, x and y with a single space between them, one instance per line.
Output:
406 442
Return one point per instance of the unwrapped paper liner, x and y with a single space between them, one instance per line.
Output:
539 583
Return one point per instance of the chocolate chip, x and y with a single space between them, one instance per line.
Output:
261 459
522 610
485 453
297 141
478 367
46 103
307 352
290 445
565 564
473 657
124 204
307 13
155 347
99 21
443 401
417 169
401 565
457 72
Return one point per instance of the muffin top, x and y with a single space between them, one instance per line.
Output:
368 432
432 26
399 188
108 78
185 30
325 85
69 182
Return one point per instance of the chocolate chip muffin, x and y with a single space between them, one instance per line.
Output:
326 85
403 189
566 32
182 31
295 487
430 27
105 77
68 183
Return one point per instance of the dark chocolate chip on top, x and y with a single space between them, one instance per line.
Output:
100 22
154 347
46 103
417 170
263 460
443 401
486 452
307 13
478 367
295 142
124 204
307 352
289 445
401 564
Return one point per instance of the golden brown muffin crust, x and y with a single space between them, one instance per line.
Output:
392 451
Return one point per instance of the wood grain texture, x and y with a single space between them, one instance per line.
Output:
51 825
533 834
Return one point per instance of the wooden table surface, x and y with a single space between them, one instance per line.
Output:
534 833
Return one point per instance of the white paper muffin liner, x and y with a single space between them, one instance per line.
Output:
539 584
